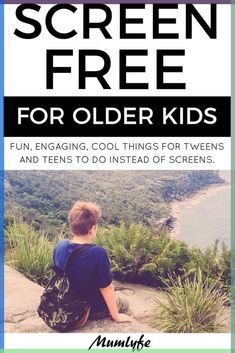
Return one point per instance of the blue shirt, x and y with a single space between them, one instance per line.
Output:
87 272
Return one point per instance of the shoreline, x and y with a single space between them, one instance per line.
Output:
191 201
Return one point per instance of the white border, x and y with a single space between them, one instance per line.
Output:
84 340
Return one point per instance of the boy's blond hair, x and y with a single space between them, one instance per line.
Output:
83 216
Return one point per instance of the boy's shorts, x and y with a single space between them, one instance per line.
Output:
123 307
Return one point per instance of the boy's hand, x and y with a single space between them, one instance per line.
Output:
110 299
123 318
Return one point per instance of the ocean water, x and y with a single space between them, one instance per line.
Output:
208 217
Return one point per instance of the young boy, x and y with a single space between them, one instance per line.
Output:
89 273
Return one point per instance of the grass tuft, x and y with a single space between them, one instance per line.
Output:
29 252
191 306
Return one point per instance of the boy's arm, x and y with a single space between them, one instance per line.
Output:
110 299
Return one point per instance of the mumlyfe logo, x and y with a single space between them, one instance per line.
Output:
127 343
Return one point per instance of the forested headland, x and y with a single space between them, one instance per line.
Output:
43 198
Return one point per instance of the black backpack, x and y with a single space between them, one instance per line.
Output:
60 306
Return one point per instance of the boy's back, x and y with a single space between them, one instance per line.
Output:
87 272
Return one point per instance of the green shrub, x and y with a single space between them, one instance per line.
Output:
214 262
191 306
130 249
29 252
138 254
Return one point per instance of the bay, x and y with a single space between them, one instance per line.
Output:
206 216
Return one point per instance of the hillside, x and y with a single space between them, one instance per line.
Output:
43 198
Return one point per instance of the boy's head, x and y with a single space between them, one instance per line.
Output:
83 217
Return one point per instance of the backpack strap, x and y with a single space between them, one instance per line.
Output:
75 253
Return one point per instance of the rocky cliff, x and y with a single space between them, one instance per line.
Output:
22 298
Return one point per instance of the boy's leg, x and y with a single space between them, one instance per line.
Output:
123 307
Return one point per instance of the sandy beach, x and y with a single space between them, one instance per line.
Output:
190 202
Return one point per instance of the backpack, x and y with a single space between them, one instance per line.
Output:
60 306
